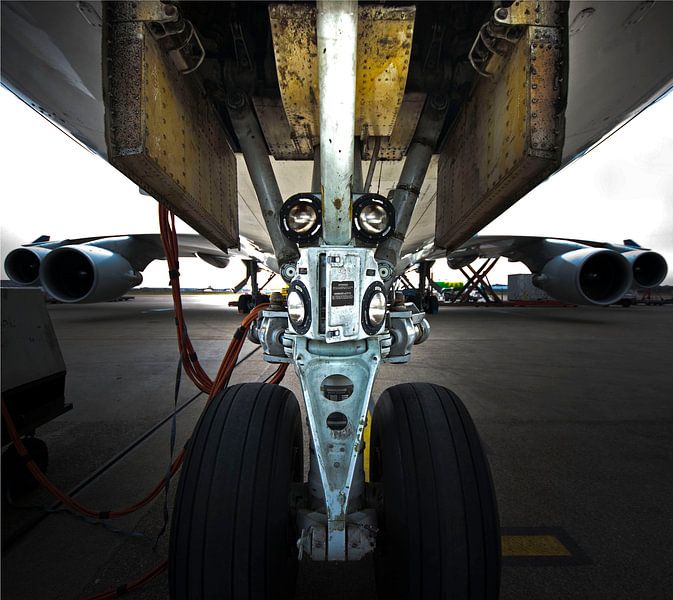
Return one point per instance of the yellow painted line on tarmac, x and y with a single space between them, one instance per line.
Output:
533 545
540 547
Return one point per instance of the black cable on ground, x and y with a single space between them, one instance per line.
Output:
28 527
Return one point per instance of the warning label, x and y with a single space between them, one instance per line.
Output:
343 293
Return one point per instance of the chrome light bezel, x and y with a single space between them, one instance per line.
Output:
368 326
302 326
293 201
359 205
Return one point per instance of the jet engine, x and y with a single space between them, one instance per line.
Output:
649 268
586 276
23 265
87 274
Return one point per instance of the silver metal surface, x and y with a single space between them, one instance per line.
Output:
336 362
372 165
270 333
416 164
361 534
344 273
404 198
337 25
261 173
408 327
336 450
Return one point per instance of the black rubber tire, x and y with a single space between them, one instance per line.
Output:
233 535
439 534
17 480
432 305
245 303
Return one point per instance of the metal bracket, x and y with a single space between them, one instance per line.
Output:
542 13
336 382
504 29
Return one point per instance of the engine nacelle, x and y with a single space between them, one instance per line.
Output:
87 274
586 276
649 268
23 265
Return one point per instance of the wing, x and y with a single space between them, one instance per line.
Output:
577 271
141 249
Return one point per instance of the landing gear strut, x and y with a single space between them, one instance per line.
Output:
243 515
246 302
424 298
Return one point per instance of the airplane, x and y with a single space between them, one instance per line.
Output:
105 268
273 123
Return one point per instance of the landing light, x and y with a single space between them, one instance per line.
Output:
300 218
295 307
373 218
299 307
373 308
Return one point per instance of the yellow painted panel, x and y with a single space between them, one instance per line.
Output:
384 49
164 134
508 137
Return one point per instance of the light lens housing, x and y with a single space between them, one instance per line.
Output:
299 307
373 218
376 311
296 310
373 308
301 218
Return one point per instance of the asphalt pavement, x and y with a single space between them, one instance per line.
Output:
574 405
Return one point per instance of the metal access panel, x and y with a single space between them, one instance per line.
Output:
383 54
509 135
161 131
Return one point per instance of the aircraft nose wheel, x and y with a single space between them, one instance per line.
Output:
438 523
233 535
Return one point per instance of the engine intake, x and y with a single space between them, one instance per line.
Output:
586 276
649 268
87 274
23 265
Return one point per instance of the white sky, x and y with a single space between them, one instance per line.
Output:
51 185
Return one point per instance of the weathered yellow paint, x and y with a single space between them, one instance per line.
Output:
532 545
384 50
383 54
163 134
508 137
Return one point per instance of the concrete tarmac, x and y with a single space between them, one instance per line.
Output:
575 407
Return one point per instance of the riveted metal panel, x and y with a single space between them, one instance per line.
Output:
395 146
384 49
164 135
508 137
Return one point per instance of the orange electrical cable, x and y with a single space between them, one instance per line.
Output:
195 372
